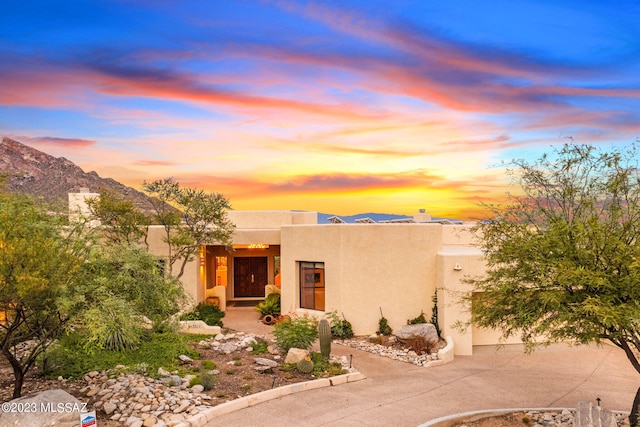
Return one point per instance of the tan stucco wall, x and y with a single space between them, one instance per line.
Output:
192 281
454 263
78 207
396 267
367 266
270 219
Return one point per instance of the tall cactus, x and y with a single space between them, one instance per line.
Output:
324 334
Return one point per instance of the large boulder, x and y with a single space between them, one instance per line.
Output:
420 330
295 355
46 408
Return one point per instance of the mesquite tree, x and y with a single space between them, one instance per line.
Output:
40 265
563 256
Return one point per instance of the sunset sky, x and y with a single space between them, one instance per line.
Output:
341 107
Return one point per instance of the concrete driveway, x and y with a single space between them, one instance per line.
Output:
400 394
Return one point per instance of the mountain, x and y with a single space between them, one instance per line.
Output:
29 171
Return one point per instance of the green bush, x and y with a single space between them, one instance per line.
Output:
340 328
208 365
322 368
383 325
70 360
260 347
207 380
110 325
270 305
416 320
295 332
208 313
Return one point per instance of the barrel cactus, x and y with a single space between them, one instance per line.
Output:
305 365
324 334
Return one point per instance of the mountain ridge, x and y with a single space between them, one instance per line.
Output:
33 172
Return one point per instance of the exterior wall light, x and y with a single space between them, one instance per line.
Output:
258 246
457 267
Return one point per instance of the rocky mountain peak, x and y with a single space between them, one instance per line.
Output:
30 171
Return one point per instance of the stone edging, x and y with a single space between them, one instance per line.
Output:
449 420
244 402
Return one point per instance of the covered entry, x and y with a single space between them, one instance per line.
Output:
242 272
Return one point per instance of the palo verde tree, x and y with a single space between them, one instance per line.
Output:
40 262
191 218
563 255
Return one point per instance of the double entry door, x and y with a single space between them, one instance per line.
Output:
250 276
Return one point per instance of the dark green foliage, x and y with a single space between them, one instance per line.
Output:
41 288
123 280
270 305
383 325
207 379
324 335
416 320
340 328
434 313
208 313
295 332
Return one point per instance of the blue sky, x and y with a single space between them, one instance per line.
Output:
339 107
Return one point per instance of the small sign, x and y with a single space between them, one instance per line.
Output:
88 419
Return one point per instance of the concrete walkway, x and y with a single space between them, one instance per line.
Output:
401 394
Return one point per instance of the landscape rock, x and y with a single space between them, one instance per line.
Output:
423 330
43 418
185 359
295 355
228 348
266 362
109 407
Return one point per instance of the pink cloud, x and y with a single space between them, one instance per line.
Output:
54 141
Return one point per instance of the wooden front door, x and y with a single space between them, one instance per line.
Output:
249 276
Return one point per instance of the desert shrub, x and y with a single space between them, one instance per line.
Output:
417 344
295 332
383 325
416 320
340 328
208 313
434 313
208 365
111 325
260 346
270 305
322 368
207 380
378 339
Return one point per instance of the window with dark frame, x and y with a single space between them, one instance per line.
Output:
312 285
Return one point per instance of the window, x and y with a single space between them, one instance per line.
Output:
312 285
221 271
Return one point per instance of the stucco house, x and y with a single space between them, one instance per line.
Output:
355 269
